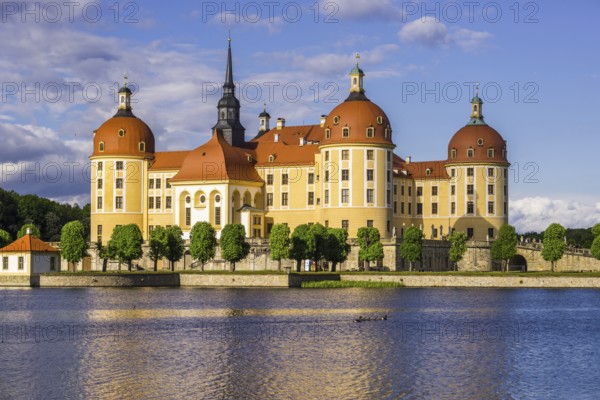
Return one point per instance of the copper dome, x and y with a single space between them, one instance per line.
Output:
124 136
477 143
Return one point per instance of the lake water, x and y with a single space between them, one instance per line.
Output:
299 344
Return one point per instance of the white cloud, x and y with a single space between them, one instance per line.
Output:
430 32
536 213
360 9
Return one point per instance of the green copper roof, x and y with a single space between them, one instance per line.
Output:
476 121
356 70
476 99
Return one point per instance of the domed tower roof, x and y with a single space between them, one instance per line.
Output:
124 134
477 141
357 119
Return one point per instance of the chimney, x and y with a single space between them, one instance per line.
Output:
301 141
408 159
280 123
276 136
323 118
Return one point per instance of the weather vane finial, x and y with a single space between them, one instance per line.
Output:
265 106
477 89
125 79
357 56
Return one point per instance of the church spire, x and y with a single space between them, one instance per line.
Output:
124 109
228 108
476 109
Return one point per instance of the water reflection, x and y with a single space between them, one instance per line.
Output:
259 344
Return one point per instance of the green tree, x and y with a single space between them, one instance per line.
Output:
5 238
203 242
73 246
103 254
35 231
299 249
174 246
317 243
156 244
127 244
595 249
411 246
458 247
554 244
52 227
279 243
596 230
371 248
337 247
505 246
233 244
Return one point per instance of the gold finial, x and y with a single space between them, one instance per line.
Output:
357 56
125 79
265 106
476 89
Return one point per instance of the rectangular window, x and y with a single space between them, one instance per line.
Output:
151 228
99 204
409 208
150 203
345 174
168 185
284 179
52 263
402 207
402 190
470 189
284 199
389 225
490 189
389 156
388 196
490 233
369 223
326 176
453 190
100 183
345 154
434 208
188 216
158 183
100 165
470 233
151 184
311 198
269 179
453 208
490 153
168 202
326 156
119 202
326 223
434 190
99 230
269 199
505 208
419 191
395 190
311 178
470 171
218 216
470 207
370 155
326 197
505 172
119 183
21 263
5 263
345 224
395 207
505 190
452 172
370 193
369 174
345 196
410 191
388 176
119 165
157 202
419 208
345 132
490 172
490 207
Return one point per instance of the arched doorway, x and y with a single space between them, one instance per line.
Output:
518 263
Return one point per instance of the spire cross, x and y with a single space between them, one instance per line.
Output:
476 88
357 56
125 78
265 106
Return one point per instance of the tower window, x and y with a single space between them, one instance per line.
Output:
428 171
328 133
122 99
336 120
388 132
142 146
470 153
345 132
480 142
222 114
101 146
490 152
217 199
345 154
370 132
453 154
271 158
379 120
370 155
119 165
354 80
121 132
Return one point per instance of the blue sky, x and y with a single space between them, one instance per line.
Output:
537 62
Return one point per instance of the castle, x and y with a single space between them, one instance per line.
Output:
341 172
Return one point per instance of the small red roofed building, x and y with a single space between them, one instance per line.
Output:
29 255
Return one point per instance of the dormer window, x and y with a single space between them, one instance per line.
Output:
453 154
370 132
428 171
121 132
336 120
491 152
142 146
327 133
345 132
249 158
388 132
379 120
101 146
271 158
470 153
480 142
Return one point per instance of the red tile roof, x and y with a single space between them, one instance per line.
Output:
168 160
287 149
29 243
